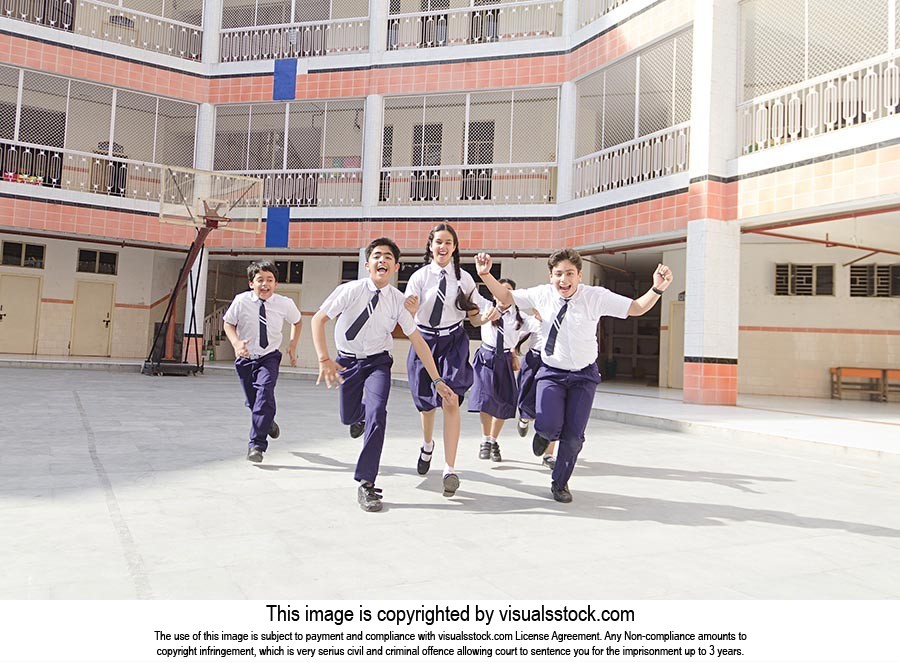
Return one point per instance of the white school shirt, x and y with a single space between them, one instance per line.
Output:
350 300
511 334
536 339
424 284
576 342
244 314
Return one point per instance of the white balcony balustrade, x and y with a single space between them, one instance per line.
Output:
84 172
266 42
487 184
854 95
110 23
475 25
656 155
310 188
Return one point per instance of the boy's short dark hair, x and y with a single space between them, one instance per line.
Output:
383 241
562 254
263 265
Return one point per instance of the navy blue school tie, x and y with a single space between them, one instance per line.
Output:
500 346
263 326
438 309
554 330
364 316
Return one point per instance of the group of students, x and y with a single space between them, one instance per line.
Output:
558 347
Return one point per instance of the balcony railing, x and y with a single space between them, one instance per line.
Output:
266 42
110 23
649 157
488 184
475 25
590 10
847 97
310 188
68 170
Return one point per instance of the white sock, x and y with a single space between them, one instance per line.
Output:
428 446
488 439
449 470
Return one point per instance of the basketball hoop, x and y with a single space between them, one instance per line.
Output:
208 201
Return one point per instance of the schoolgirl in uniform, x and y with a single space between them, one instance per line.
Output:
441 296
568 378
494 393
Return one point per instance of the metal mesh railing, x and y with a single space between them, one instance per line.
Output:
785 42
643 94
60 113
848 97
494 147
439 24
591 10
307 153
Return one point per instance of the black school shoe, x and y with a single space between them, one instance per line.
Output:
424 463
522 427
451 484
549 461
539 444
495 452
255 455
560 494
369 497
484 451
274 431
357 429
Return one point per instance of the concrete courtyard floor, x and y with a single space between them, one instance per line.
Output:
116 485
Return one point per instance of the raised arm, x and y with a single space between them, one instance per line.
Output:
483 264
662 277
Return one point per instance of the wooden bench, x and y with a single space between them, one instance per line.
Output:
866 381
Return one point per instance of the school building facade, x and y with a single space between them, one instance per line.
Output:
752 146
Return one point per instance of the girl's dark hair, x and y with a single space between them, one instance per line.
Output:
463 302
519 320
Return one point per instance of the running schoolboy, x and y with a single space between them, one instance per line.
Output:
253 324
494 392
529 350
441 296
369 310
567 381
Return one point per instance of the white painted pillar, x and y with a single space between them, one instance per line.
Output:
195 307
378 19
204 148
712 306
565 158
212 25
372 135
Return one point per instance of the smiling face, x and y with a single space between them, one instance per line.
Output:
263 284
382 265
442 247
565 277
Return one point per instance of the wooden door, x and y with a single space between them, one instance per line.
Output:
19 300
92 323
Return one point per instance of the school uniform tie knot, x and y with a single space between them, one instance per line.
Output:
438 310
550 346
500 346
263 326
364 316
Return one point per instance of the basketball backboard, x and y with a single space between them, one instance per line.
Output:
203 198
